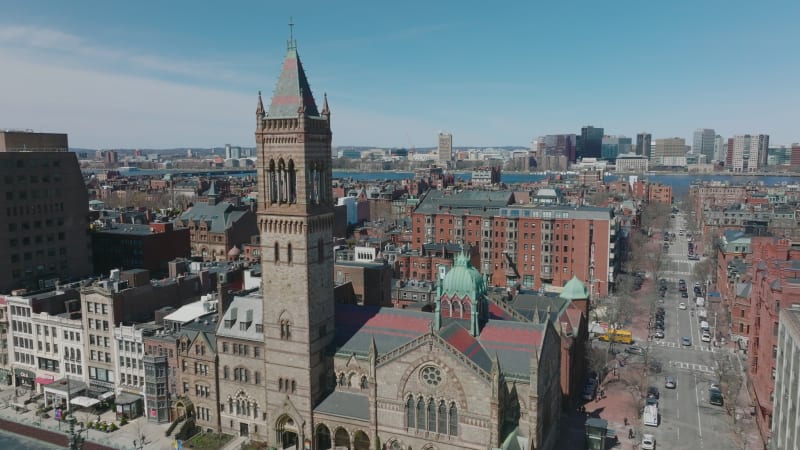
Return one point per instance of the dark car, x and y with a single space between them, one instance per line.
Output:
685 294
659 334
652 391
634 350
660 309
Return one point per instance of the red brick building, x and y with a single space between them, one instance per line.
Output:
659 193
775 285
134 246
533 246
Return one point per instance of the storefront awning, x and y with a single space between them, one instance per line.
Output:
125 398
84 402
24 373
45 380
106 395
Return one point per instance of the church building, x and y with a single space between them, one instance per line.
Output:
356 377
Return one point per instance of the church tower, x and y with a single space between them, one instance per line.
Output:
295 219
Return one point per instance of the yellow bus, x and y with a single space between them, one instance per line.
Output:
619 336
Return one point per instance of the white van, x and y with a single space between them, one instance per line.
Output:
700 302
650 416
704 326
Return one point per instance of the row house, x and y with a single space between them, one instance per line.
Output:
775 286
198 374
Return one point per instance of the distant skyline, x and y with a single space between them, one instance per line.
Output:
180 74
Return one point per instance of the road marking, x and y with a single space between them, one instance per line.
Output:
699 424
691 366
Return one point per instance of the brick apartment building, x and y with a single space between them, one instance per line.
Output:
775 285
534 246
44 226
659 193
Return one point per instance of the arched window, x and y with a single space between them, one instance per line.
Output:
292 182
282 182
431 415
420 414
276 257
320 250
453 419
294 386
286 331
280 384
289 253
226 372
410 412
442 418
467 309
273 182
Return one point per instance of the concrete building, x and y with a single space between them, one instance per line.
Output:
785 429
612 146
486 176
557 145
631 163
43 228
445 149
669 152
720 148
703 142
747 153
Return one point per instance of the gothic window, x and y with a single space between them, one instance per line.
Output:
276 257
446 309
453 419
286 331
420 414
315 181
280 384
289 253
431 375
442 418
410 412
467 309
431 415
273 182
292 180
294 386
282 182
226 372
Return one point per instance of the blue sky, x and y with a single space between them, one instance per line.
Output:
155 74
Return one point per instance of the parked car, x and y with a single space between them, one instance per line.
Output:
669 382
686 341
706 337
648 442
651 401
681 305
659 334
684 294
652 391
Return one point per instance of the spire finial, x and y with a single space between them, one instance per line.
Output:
260 108
291 43
325 109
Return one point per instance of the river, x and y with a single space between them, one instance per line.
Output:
680 182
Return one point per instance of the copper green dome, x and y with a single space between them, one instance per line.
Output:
575 290
464 280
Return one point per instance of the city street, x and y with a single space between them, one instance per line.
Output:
687 419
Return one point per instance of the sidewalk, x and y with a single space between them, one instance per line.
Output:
121 438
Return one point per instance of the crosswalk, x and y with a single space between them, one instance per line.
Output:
668 344
691 366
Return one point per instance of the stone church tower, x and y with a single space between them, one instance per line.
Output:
295 218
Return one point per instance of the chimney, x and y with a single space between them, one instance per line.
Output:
224 296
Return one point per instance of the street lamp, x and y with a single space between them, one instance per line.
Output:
74 437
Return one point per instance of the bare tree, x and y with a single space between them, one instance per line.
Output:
731 381
655 215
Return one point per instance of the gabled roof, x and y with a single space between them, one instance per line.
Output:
345 404
535 307
248 313
459 337
356 326
292 91
218 216
515 343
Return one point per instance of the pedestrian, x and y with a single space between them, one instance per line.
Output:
626 421
630 433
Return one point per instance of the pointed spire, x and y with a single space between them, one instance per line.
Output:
260 108
292 93
373 347
325 110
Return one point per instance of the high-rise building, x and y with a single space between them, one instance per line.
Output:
445 148
559 145
780 155
670 152
748 152
643 142
703 143
590 142
785 420
615 145
43 231
719 148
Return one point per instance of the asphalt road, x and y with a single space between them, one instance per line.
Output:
687 419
